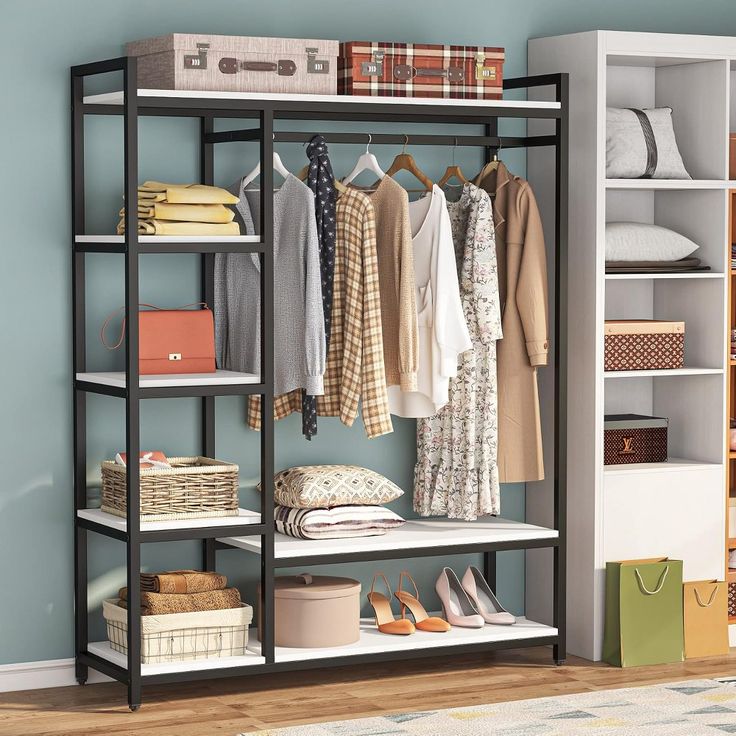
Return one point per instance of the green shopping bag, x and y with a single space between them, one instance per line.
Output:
643 612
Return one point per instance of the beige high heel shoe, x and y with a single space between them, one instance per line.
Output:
484 600
456 606
385 621
422 620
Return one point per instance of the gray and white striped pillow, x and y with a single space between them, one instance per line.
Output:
338 522
640 144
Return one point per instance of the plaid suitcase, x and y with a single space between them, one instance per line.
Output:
420 70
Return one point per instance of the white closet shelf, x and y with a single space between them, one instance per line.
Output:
104 650
119 239
416 534
116 98
648 184
373 641
673 464
218 378
688 371
679 275
119 523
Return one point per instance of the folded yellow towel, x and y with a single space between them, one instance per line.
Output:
183 212
186 193
165 227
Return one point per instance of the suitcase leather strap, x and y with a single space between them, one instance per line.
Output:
404 72
282 67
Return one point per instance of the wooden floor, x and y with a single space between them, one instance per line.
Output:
257 703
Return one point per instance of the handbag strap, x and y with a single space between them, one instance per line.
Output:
660 584
712 598
140 304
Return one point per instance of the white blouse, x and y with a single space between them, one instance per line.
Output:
443 333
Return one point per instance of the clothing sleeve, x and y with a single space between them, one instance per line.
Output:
408 327
531 291
376 415
314 334
221 311
484 294
450 327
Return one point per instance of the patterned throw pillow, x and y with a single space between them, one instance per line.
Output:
324 486
340 522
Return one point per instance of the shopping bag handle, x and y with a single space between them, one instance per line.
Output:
122 326
660 584
710 600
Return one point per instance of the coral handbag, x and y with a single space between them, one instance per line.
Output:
178 340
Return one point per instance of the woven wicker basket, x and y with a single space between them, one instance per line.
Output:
195 488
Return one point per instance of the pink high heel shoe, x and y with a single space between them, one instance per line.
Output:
456 606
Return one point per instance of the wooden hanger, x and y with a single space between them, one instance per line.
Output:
489 168
339 186
366 162
405 162
452 171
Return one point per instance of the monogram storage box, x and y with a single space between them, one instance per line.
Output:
643 344
381 69
634 438
189 61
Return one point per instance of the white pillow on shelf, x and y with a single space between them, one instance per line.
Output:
637 241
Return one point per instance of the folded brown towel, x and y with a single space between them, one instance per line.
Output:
160 603
182 581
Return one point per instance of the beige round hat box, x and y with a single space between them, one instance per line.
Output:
315 611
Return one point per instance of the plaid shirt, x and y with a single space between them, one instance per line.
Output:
355 367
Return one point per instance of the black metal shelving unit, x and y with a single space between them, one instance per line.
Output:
265 111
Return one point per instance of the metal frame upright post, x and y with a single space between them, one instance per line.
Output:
267 421
132 393
562 88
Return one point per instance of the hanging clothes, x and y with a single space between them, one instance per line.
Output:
320 180
355 369
396 278
299 336
442 330
456 473
522 274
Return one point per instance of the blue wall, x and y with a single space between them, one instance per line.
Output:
43 38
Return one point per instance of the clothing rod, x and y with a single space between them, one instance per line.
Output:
253 134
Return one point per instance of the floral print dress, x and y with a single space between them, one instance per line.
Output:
456 473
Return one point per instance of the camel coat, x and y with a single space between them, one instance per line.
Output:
522 280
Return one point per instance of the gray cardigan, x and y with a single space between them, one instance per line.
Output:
299 332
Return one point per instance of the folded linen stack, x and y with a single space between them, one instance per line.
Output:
334 502
183 591
183 209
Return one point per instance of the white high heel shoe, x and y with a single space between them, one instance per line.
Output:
456 606
484 600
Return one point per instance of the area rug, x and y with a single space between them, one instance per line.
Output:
691 708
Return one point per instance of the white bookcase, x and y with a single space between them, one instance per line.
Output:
676 508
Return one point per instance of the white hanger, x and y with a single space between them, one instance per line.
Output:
278 166
367 162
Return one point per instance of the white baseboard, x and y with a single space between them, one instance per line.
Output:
732 635
38 675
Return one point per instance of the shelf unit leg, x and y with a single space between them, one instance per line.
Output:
489 569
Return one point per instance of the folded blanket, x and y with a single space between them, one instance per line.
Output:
184 212
154 604
182 581
164 227
186 193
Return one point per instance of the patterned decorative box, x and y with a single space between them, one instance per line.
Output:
634 438
731 599
189 61
643 344
382 69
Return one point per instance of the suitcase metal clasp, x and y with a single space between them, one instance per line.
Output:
373 68
315 65
482 71
198 60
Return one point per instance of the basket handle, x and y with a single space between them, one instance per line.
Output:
304 578
711 600
122 326
660 584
